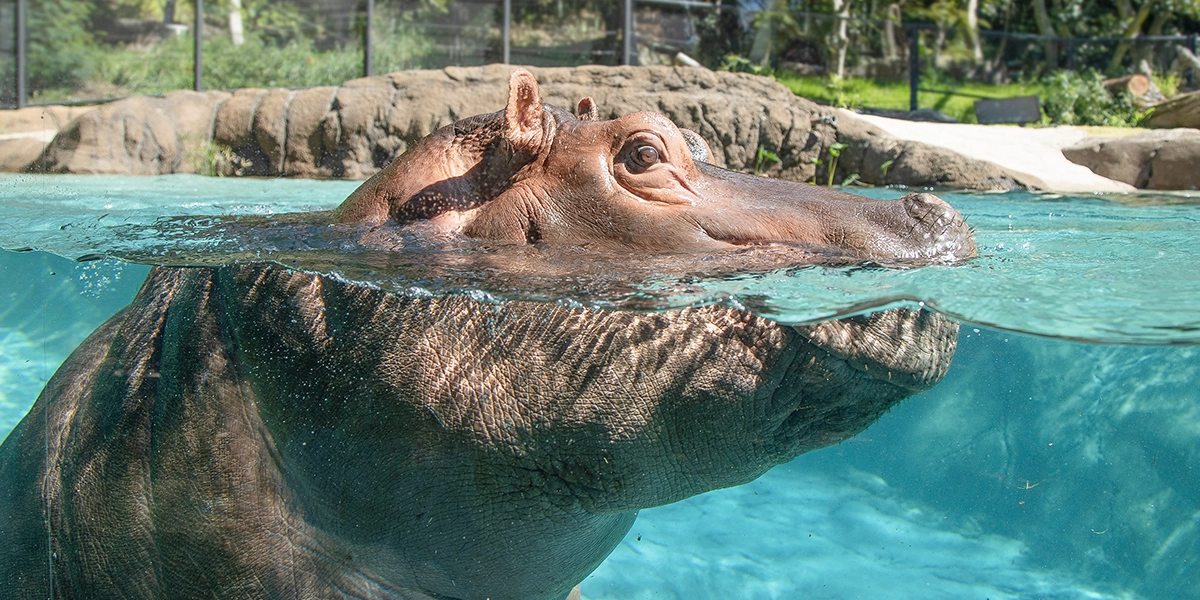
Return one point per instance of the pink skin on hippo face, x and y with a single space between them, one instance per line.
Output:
535 174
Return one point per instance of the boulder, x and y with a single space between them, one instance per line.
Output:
312 134
1154 160
19 152
879 159
25 132
33 119
355 129
270 128
141 135
1180 111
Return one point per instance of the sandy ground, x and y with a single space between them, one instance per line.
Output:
1035 151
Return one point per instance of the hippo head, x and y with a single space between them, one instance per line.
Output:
535 174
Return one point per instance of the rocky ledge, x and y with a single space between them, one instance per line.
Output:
353 130
1164 159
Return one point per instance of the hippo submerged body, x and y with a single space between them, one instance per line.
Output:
253 431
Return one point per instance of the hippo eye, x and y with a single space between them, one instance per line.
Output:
645 156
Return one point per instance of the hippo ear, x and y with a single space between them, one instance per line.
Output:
587 110
523 115
697 146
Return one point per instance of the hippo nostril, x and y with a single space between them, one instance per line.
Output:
942 231
929 209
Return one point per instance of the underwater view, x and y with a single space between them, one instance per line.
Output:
1057 459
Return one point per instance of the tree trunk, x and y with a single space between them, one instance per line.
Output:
841 8
1145 52
169 12
891 19
1046 29
1125 10
764 38
1187 59
235 23
1130 32
973 31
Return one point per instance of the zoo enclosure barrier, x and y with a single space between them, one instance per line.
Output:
299 43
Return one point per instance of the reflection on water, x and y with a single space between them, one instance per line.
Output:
1039 467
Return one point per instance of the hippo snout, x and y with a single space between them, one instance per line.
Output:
939 231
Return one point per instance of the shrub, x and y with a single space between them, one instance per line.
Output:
61 50
1072 98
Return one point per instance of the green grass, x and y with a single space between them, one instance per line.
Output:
853 93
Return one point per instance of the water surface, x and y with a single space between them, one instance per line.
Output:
1058 459
1111 268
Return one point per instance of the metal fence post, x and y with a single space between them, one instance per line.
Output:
914 66
1071 54
22 57
198 57
628 58
506 31
368 35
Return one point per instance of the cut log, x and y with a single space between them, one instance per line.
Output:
1180 111
1137 85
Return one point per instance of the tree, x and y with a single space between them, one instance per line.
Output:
60 44
235 23
841 9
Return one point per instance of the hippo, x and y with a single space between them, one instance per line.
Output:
256 431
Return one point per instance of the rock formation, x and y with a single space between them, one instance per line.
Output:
353 130
1155 160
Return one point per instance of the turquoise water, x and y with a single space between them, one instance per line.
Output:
1058 459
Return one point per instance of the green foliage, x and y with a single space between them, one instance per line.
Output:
167 65
283 46
835 151
739 64
257 63
841 94
215 160
277 22
762 158
1080 99
720 34
1167 83
853 92
61 50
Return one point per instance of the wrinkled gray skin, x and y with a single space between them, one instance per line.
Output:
251 431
